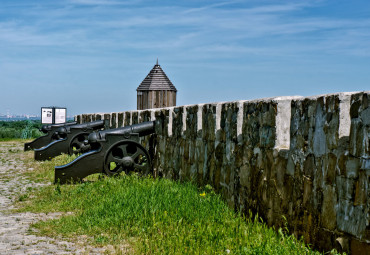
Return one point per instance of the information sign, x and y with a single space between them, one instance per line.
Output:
47 115
60 115
53 115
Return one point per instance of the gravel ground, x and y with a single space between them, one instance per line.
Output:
15 234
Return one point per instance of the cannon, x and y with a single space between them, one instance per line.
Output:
69 140
112 152
50 136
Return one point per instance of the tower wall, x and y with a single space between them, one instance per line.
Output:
155 99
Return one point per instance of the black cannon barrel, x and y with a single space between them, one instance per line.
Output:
88 125
143 129
47 128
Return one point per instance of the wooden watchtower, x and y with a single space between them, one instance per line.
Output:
156 90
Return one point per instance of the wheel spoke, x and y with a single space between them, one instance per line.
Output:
75 145
141 167
113 159
127 156
138 153
123 147
80 145
75 148
115 169
85 147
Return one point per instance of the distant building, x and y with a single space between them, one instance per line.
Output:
156 90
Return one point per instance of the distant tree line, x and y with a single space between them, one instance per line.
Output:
22 129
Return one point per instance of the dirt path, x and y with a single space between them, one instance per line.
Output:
15 237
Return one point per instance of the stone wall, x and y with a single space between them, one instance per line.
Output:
304 161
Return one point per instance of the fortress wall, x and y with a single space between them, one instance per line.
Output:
300 161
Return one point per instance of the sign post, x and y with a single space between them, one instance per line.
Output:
53 115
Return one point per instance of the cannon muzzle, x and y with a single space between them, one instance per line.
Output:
91 125
47 128
69 140
142 129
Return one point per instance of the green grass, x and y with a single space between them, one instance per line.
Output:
152 216
43 171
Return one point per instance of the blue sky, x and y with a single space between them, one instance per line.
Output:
91 55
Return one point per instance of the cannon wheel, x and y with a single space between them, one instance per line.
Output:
77 145
127 156
55 136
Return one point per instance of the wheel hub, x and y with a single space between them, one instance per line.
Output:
127 162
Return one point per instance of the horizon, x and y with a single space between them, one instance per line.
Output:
91 55
24 115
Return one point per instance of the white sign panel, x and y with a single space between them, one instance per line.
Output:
46 115
60 115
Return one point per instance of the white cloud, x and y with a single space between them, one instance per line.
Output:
247 30
211 6
101 2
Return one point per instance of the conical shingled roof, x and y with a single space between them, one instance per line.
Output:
156 80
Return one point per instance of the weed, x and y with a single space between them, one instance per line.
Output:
23 197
